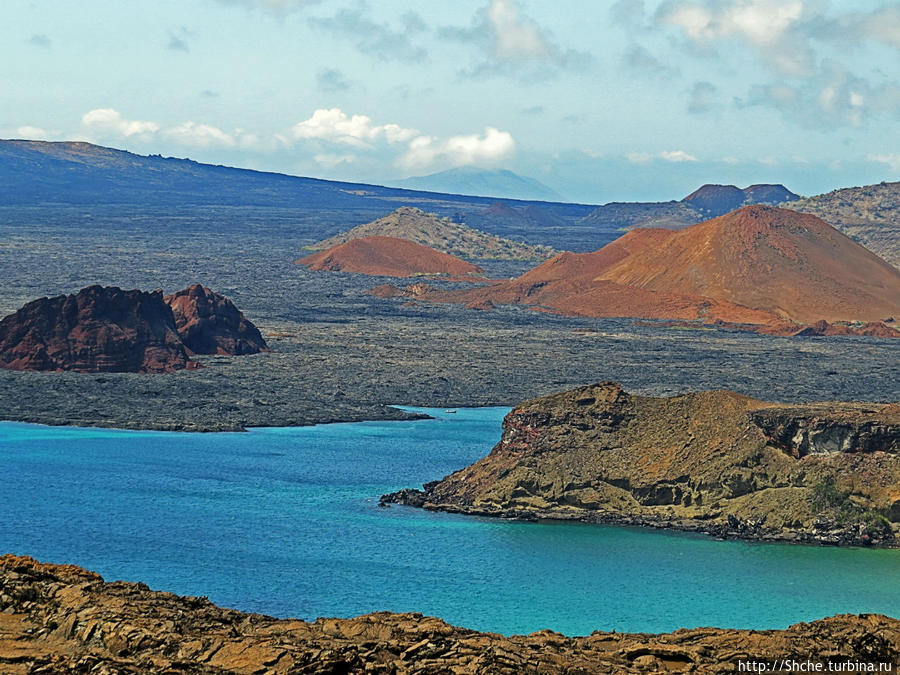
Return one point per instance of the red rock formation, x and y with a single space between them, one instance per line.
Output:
389 257
209 323
756 265
96 330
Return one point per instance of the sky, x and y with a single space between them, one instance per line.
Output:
623 100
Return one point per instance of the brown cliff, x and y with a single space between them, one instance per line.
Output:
713 461
209 323
389 257
99 329
757 265
62 619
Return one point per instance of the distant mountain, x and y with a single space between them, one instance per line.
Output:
90 176
708 201
483 182
387 257
869 214
717 200
756 265
442 234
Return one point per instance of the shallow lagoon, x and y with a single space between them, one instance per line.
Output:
285 521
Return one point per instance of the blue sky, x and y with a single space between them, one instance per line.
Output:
602 101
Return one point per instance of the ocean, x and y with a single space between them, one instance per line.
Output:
285 521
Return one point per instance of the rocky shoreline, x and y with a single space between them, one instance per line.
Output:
732 528
714 462
60 618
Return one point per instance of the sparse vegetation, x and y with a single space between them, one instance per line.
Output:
832 502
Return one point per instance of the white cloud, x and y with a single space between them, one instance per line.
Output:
30 133
515 37
762 22
487 149
512 42
674 156
196 135
107 123
110 122
677 156
334 125
892 160
767 26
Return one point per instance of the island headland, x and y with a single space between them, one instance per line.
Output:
715 462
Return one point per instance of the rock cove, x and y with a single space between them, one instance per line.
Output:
714 462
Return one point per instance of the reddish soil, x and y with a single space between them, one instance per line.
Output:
388 257
756 265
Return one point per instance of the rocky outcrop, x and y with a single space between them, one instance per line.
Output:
99 329
714 462
62 619
209 323
441 234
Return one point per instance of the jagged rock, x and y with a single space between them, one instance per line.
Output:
62 619
99 329
209 323
713 461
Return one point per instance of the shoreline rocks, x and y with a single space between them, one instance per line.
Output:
60 618
713 462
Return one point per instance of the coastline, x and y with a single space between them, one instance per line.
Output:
733 530
61 618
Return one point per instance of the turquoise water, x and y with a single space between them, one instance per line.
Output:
285 522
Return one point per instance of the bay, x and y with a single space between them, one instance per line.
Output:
285 521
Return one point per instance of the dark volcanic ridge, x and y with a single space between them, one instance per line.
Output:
714 462
108 330
60 618
708 201
717 200
772 267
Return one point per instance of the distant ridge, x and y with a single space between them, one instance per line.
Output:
442 234
483 182
717 200
707 201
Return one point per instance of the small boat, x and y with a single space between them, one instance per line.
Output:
450 411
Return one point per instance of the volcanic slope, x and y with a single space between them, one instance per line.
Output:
442 234
389 257
756 265
870 214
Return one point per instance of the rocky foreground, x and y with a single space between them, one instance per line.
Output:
714 462
63 619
